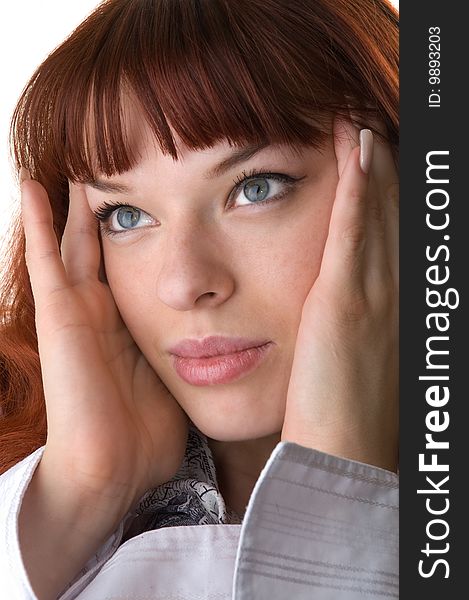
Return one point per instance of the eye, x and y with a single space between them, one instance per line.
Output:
251 189
258 187
115 216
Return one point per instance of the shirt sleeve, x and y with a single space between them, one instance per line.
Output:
13 484
15 584
318 526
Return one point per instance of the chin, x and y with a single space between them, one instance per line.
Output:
228 428
251 408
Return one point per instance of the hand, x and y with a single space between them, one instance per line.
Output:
343 392
112 424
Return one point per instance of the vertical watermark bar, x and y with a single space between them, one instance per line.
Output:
434 230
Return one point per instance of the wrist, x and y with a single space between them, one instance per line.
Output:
99 504
367 449
53 512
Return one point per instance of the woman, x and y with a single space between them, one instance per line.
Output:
200 317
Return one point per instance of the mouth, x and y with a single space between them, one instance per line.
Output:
220 368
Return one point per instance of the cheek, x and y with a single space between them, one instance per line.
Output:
132 292
274 264
295 258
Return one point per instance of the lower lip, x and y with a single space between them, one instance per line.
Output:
220 369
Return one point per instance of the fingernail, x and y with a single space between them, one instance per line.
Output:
366 149
24 174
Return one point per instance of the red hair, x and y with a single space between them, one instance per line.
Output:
209 70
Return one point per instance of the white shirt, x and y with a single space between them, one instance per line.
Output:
316 526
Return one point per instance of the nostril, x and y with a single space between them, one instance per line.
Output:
205 299
208 295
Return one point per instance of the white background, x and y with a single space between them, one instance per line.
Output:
29 30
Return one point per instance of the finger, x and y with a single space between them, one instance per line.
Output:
345 140
384 209
45 266
342 265
384 173
376 256
80 246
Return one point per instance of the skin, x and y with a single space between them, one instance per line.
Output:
315 272
200 264
188 244
115 429
346 355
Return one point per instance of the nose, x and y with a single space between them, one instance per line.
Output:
195 270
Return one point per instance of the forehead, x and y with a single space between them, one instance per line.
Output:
144 145
140 139
129 137
204 164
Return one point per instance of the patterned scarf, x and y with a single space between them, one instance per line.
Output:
191 497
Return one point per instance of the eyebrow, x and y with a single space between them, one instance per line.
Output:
238 156
104 186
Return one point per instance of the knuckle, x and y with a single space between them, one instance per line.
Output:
392 195
376 305
356 309
353 237
80 230
377 215
352 309
52 253
387 300
356 196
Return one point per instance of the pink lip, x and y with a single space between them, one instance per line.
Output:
217 360
214 346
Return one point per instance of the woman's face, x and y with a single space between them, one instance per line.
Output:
197 256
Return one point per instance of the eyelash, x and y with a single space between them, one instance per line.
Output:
104 212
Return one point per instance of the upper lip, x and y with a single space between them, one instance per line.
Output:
214 346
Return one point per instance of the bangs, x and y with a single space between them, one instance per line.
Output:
206 70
